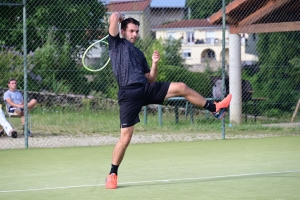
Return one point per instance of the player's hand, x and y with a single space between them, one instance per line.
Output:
122 17
155 56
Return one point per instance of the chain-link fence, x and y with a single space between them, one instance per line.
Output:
77 107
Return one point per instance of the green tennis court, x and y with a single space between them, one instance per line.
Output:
266 168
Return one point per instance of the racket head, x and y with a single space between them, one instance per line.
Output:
96 56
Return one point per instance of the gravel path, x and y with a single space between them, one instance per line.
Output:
40 141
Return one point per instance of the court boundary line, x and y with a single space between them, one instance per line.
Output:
151 181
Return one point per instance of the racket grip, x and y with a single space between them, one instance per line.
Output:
122 17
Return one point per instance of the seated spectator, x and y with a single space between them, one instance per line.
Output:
5 126
15 102
217 89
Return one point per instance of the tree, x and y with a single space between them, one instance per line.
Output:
11 65
169 50
81 19
172 49
57 31
278 77
201 9
55 70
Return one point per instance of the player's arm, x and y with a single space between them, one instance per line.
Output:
11 103
152 75
114 19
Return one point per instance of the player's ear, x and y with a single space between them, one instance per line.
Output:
122 32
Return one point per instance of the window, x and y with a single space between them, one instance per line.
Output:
190 37
171 35
210 37
187 53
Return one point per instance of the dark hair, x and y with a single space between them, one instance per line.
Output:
127 21
10 80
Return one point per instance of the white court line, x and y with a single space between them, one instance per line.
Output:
151 181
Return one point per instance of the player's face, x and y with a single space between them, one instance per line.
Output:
12 85
131 33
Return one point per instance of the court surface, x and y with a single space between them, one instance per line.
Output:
266 168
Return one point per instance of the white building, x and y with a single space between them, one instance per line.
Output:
201 43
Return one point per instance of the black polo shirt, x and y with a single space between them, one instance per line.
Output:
128 62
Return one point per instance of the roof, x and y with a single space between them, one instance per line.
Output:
187 24
258 16
168 4
128 6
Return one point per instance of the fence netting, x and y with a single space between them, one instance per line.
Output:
77 107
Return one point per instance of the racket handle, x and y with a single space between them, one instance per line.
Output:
122 17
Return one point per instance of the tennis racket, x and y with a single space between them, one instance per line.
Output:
96 57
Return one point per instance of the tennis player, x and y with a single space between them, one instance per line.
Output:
137 86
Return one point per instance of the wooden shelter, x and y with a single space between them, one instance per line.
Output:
252 16
260 16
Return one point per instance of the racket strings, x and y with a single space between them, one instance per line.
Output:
97 56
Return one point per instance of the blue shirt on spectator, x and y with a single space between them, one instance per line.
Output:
15 96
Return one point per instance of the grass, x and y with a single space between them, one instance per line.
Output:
264 168
57 122
106 122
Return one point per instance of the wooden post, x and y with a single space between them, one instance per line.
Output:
296 110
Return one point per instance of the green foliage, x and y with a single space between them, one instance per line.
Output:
81 19
62 71
278 77
201 9
172 49
171 73
104 83
72 23
144 44
169 51
159 46
12 63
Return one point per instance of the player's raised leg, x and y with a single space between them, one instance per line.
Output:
181 89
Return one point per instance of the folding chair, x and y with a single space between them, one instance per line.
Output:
14 115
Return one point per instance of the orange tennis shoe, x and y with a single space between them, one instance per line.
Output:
111 181
222 106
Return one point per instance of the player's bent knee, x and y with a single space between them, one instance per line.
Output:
177 89
182 87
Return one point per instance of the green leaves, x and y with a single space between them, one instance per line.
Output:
201 9
278 77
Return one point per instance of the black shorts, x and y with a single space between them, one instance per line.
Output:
12 109
132 98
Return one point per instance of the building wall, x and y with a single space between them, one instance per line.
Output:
206 53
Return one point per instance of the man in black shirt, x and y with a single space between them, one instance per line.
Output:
137 86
